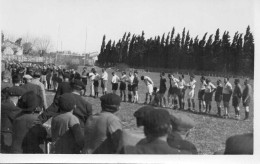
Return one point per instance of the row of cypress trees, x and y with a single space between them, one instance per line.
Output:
181 51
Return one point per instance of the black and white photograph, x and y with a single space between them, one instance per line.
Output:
127 78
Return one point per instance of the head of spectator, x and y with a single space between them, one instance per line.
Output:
77 86
135 73
142 77
162 74
240 144
246 81
6 76
130 73
219 82
103 70
157 124
202 79
237 81
110 102
181 125
67 102
28 78
113 73
30 102
155 89
123 73
66 77
141 114
16 79
77 76
37 75
181 77
208 80
93 70
14 93
226 79
192 76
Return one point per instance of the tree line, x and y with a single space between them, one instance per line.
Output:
181 51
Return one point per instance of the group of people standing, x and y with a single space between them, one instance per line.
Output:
178 91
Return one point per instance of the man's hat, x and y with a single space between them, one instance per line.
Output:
240 144
157 122
30 101
16 91
67 102
110 102
77 84
181 122
141 113
37 74
27 76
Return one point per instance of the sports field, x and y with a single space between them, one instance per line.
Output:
210 132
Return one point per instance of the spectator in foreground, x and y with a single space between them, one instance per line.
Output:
240 144
156 128
67 136
103 130
9 112
181 125
27 137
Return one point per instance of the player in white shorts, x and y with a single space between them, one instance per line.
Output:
190 94
149 83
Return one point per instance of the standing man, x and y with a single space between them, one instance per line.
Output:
104 78
210 88
91 76
114 82
36 81
84 79
135 86
162 90
191 92
103 130
122 86
173 91
201 93
130 86
182 87
149 83
246 97
219 96
227 92
237 95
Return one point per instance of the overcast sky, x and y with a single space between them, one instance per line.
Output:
69 21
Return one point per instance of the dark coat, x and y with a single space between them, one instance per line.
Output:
152 147
63 87
32 87
8 113
177 142
26 136
83 111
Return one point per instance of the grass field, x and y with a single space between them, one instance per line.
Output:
210 132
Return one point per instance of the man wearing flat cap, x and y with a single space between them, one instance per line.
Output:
130 138
181 124
82 111
65 127
9 112
156 128
27 137
104 130
29 86
240 144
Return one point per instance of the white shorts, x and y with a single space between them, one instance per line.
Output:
150 89
190 94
